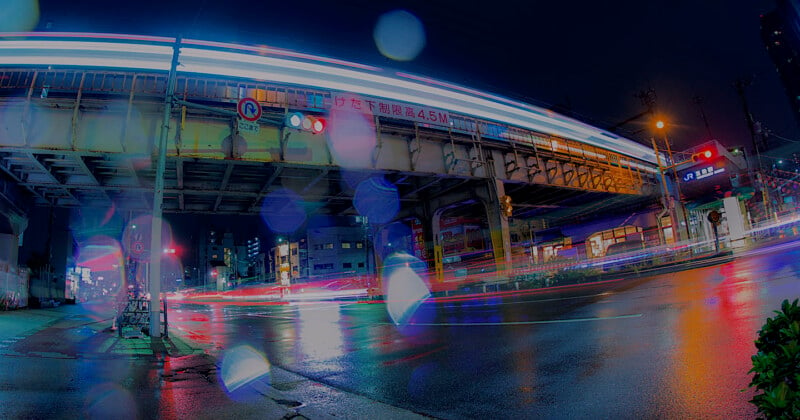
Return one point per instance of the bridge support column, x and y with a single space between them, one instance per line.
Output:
436 240
498 225
13 285
13 226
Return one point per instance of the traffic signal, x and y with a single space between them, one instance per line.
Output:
704 155
506 207
306 122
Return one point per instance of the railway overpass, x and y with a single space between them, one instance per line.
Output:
80 115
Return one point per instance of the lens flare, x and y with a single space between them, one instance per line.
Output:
406 286
136 237
282 211
19 15
399 35
351 134
377 199
100 253
242 365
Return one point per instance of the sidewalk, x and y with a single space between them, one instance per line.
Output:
186 380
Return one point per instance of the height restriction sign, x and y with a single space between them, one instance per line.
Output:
249 109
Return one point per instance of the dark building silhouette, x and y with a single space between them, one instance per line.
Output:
780 32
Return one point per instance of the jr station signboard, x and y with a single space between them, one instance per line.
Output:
707 179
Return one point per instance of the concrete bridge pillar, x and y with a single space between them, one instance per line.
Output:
13 284
12 227
498 224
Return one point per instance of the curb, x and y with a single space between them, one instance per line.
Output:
176 346
300 397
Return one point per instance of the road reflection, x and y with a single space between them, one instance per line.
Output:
674 345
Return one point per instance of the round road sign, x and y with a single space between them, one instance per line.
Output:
138 248
249 109
714 217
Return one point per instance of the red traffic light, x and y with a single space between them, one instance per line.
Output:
313 124
703 155
301 121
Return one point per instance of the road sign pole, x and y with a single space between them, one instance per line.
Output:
158 199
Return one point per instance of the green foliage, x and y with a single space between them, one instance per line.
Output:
531 280
574 276
777 365
541 279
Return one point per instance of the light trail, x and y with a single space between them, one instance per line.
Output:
264 63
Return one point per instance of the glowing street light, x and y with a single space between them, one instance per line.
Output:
668 205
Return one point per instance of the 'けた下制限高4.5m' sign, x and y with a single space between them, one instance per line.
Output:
390 109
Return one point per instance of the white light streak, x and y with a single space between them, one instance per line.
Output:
119 53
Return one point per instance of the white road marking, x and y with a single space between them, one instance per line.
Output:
549 321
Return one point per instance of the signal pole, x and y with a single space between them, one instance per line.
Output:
158 200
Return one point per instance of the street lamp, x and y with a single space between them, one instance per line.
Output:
660 126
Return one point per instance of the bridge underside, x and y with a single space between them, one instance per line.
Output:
213 186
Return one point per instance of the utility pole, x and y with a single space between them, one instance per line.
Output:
158 200
698 100
739 85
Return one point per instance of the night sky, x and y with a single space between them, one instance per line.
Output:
589 58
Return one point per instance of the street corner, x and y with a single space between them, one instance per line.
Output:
178 347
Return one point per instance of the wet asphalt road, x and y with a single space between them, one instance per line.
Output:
65 363
674 345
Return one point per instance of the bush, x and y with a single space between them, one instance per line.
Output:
575 276
777 365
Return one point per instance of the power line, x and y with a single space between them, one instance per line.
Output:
772 134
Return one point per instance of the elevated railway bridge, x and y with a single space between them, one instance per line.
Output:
80 115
